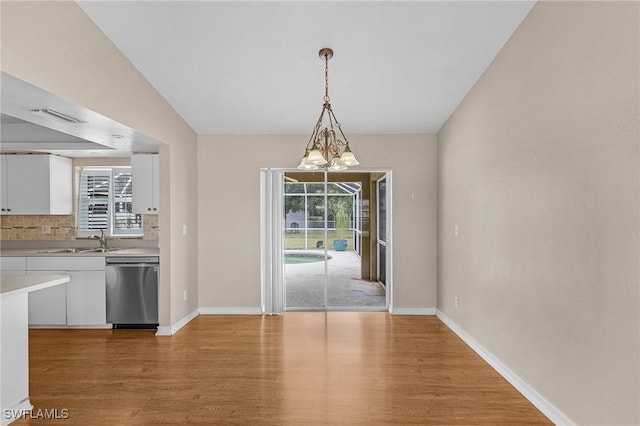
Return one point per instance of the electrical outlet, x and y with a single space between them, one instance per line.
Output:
184 295
456 230
46 229
184 229
456 301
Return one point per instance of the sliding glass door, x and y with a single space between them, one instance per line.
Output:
323 243
302 214
381 240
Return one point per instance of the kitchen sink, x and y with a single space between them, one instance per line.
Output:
104 250
64 250
80 250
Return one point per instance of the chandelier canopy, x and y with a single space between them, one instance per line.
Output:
327 149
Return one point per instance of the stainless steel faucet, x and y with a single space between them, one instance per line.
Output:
102 238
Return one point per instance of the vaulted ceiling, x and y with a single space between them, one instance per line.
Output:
253 67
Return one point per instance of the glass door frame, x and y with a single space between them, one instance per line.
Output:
272 237
381 243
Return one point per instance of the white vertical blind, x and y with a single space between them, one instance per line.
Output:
271 244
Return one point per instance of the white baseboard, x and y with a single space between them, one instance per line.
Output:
231 310
66 327
547 408
235 310
16 411
412 311
171 330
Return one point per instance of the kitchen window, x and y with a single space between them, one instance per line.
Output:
105 202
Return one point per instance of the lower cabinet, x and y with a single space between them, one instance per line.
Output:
86 298
80 302
48 306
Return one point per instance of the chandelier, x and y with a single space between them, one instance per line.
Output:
325 149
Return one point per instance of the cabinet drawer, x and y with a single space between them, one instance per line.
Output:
13 264
67 263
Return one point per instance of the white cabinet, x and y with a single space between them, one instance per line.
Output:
36 184
10 265
145 183
81 302
4 186
14 352
86 298
48 306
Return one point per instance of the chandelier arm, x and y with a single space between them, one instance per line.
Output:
316 129
346 141
332 117
331 114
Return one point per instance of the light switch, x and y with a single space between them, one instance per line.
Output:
184 229
456 230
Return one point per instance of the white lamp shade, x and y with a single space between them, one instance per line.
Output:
316 157
306 165
337 165
348 159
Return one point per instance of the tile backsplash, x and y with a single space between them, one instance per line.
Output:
63 227
38 227
151 228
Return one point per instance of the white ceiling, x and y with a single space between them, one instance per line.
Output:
253 68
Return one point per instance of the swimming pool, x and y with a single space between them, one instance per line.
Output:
303 257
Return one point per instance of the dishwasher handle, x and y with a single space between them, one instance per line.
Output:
122 260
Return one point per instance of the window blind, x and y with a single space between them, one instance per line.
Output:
93 212
106 202
124 221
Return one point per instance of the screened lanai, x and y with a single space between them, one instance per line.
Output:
306 217
319 273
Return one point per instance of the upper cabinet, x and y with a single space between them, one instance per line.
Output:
35 184
145 183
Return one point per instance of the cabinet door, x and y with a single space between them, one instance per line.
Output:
60 185
28 182
49 305
11 263
146 194
86 298
36 184
4 187
155 183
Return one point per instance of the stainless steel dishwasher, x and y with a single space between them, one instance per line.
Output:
132 291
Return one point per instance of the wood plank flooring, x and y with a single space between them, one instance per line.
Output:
298 368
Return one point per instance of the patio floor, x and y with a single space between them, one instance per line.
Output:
304 283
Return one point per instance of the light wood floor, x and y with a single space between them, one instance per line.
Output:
299 368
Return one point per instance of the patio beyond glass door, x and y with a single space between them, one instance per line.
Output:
323 267
305 253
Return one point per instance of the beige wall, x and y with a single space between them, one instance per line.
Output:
539 168
55 46
229 212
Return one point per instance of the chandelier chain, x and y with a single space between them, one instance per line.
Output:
326 78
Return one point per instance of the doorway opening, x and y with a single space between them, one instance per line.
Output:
334 241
